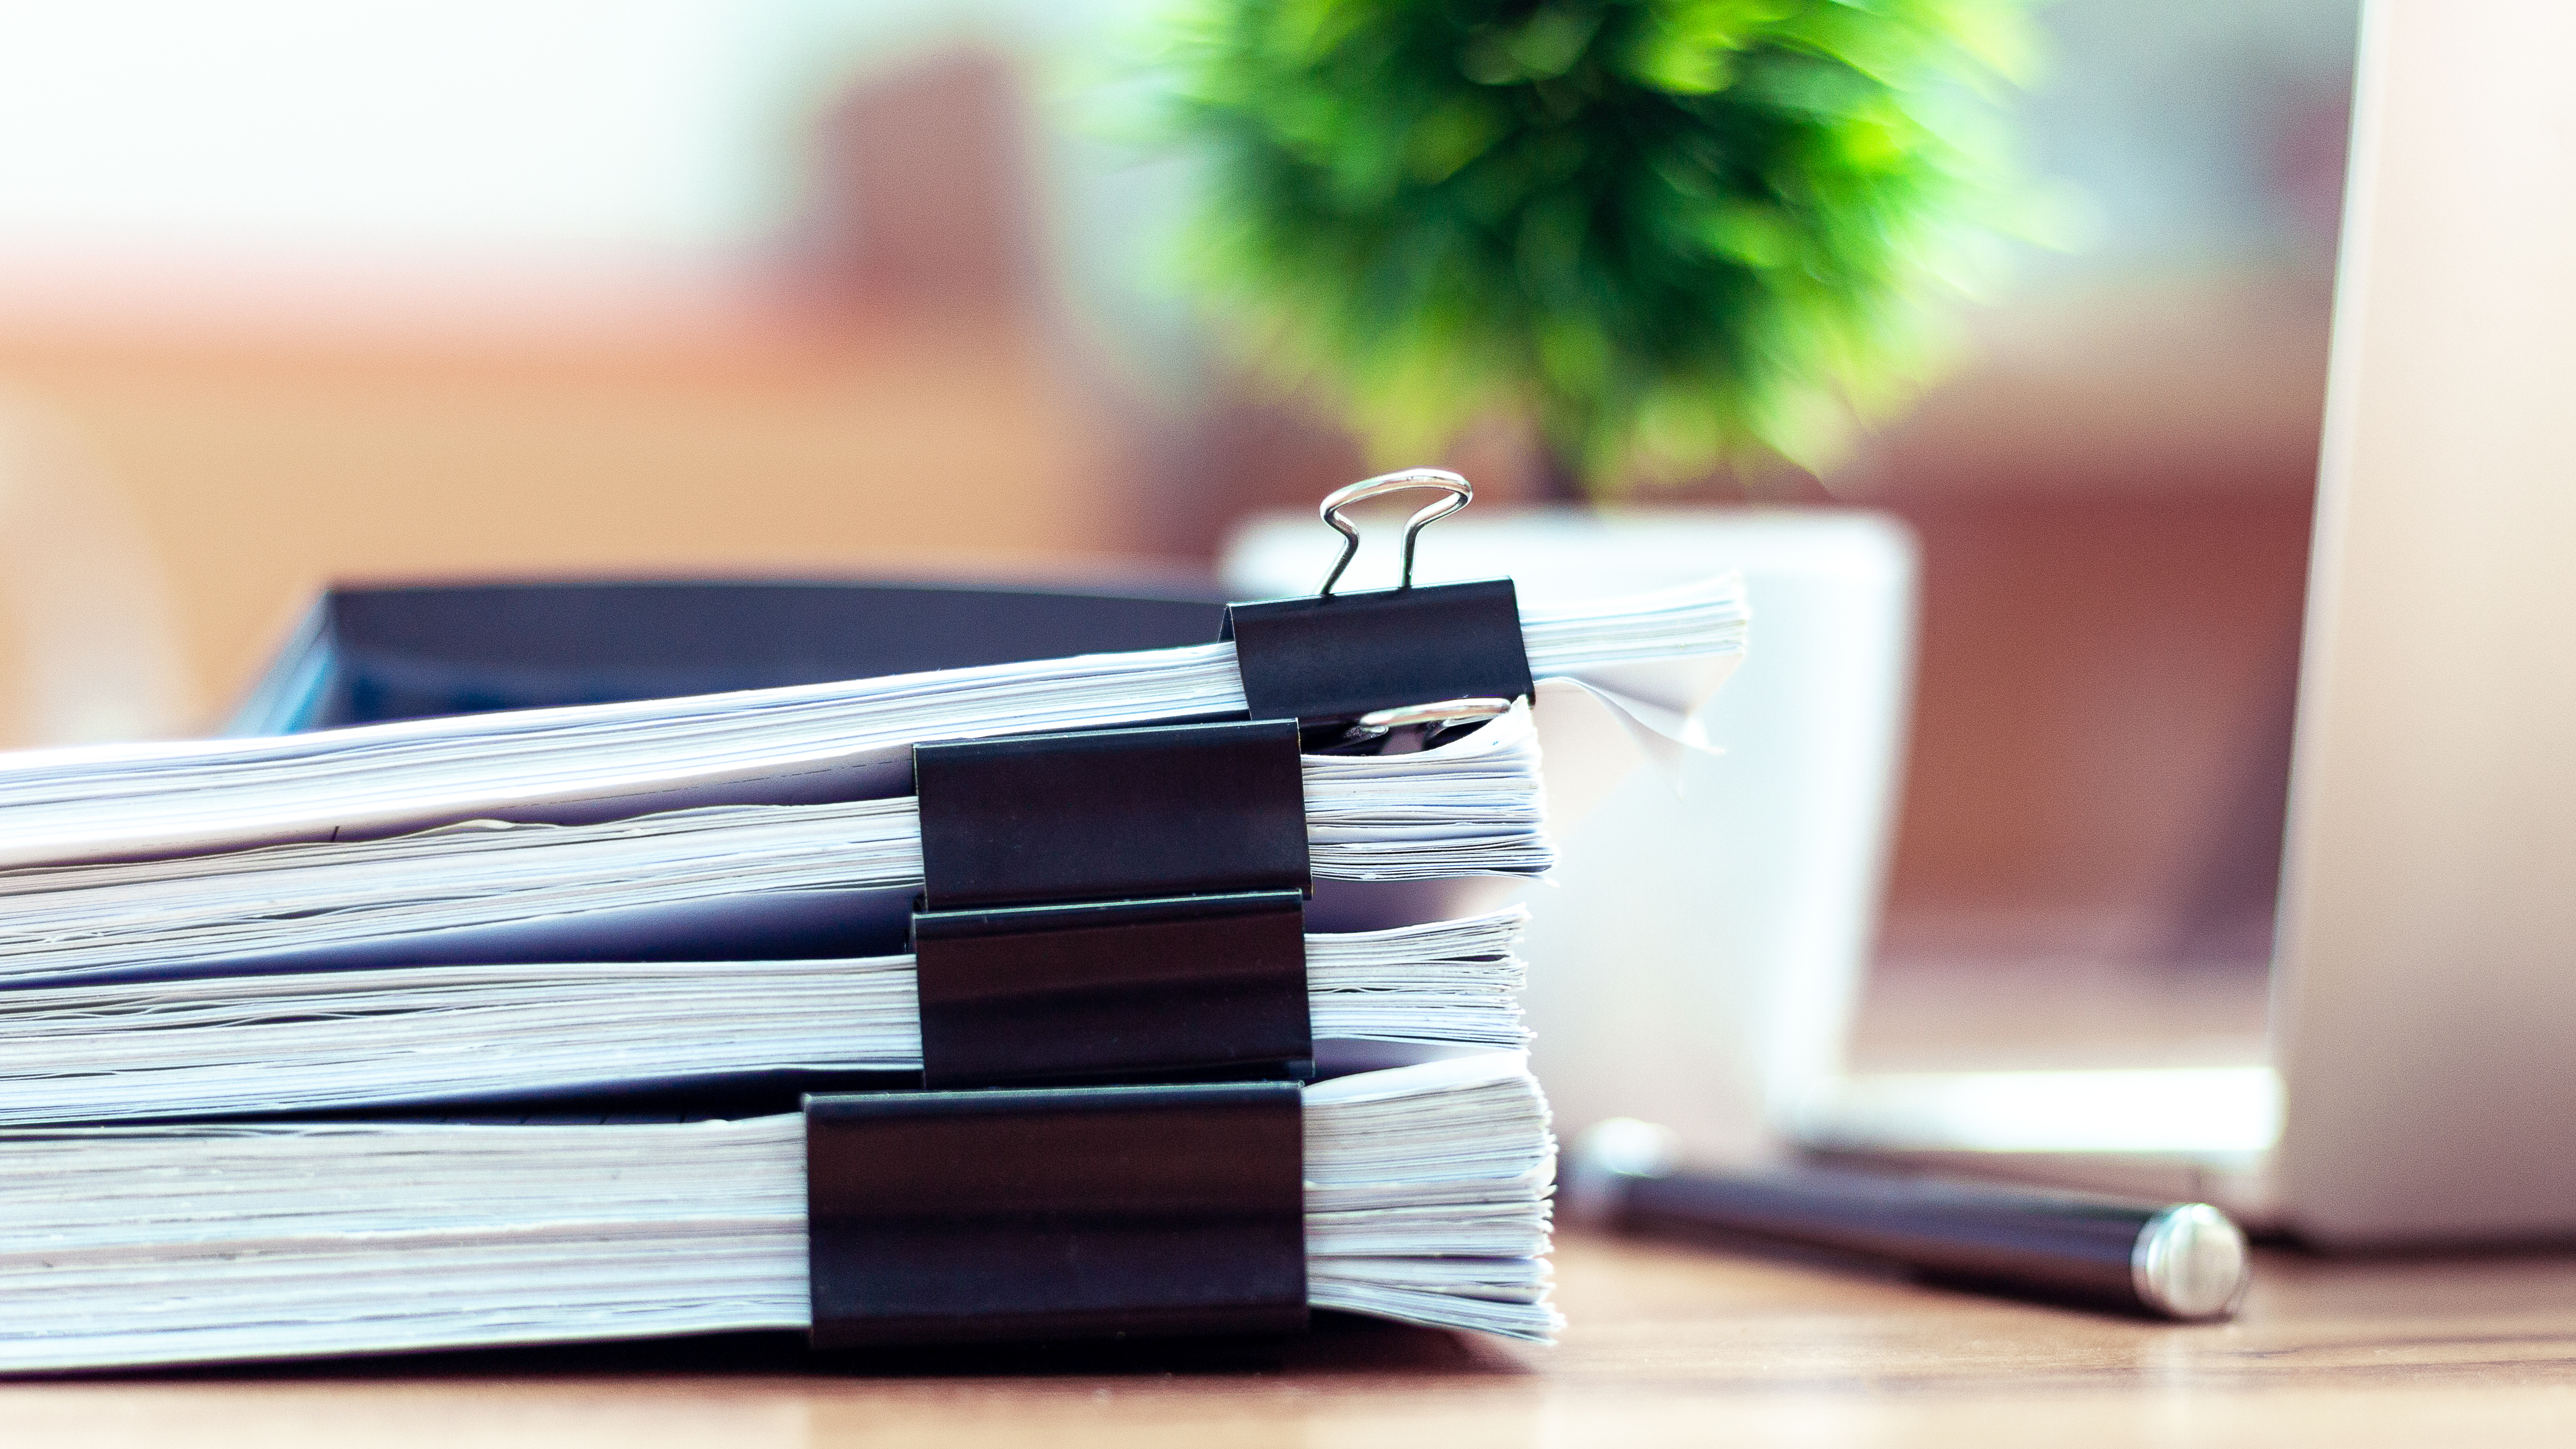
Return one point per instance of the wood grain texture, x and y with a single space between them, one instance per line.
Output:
1670 1345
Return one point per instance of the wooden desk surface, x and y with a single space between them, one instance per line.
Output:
1669 1345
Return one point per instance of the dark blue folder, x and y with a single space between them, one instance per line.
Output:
366 654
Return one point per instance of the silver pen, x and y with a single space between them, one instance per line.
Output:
2183 1261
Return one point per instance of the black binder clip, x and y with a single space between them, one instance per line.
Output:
1073 1213
1113 905
1331 659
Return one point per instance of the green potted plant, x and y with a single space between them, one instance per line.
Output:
1671 234
1673 237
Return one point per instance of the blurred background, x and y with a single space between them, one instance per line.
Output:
293 292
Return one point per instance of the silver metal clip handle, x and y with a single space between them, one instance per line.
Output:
1443 712
1460 493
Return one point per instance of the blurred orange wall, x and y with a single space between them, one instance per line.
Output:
262 472
889 389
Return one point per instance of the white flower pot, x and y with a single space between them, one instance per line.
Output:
1697 960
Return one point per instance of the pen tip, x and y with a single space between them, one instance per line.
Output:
2191 1262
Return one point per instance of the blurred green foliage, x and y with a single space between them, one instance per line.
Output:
1674 233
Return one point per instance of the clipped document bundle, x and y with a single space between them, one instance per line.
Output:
314 1041
1106 869
1644 663
1419 1194
715 880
